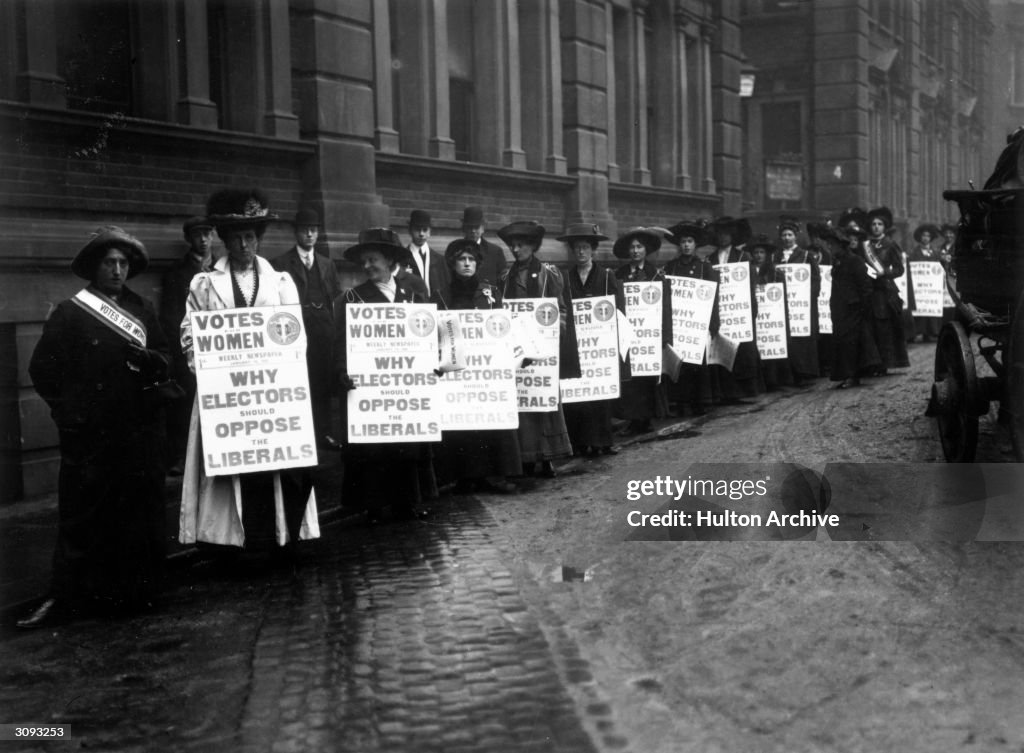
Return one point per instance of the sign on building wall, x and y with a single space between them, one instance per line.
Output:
784 182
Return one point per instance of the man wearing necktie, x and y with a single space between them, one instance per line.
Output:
427 265
317 282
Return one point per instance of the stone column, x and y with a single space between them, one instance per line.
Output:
542 86
682 178
278 118
499 93
587 115
641 168
334 83
840 130
441 144
412 30
614 174
387 136
194 106
708 153
38 81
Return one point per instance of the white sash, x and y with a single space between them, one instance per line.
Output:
115 317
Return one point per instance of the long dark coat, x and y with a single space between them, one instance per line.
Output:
318 287
642 398
854 350
475 454
803 351
887 305
386 474
745 379
111 530
590 423
693 390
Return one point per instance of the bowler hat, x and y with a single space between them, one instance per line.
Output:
420 218
696 229
234 208
306 217
103 238
458 247
194 223
379 239
583 231
527 229
928 227
788 222
883 213
649 237
472 217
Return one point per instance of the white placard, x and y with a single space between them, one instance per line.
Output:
771 321
392 353
253 389
734 309
929 281
824 298
538 321
901 283
798 298
643 309
597 342
692 303
482 394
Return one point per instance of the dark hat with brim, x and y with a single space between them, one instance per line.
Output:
472 217
948 226
583 231
761 240
853 214
525 229
650 237
698 230
817 229
382 240
195 223
883 213
458 247
103 238
237 209
306 217
788 222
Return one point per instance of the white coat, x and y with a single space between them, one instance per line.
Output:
211 506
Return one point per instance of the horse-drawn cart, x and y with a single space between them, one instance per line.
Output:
986 281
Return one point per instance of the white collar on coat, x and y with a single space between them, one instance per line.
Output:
274 285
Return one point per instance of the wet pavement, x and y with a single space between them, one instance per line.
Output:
392 638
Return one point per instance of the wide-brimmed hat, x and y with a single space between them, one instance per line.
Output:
853 214
420 218
788 222
762 240
236 208
817 228
102 238
306 217
583 231
458 247
884 213
648 236
380 239
472 217
527 229
696 229
929 227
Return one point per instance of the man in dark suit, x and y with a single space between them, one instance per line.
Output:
317 283
428 265
492 258
198 232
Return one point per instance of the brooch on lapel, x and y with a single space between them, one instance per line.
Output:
489 296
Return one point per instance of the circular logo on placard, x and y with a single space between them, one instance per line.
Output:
651 294
774 294
604 311
704 292
422 324
547 314
802 274
497 325
283 328
739 274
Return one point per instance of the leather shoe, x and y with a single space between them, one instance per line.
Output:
547 470
47 614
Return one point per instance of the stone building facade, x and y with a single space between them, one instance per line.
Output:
864 103
131 112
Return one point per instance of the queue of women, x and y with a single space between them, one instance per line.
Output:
473 386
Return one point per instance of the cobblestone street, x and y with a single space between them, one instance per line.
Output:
387 639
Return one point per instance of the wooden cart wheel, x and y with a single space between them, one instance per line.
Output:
1013 358
955 394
